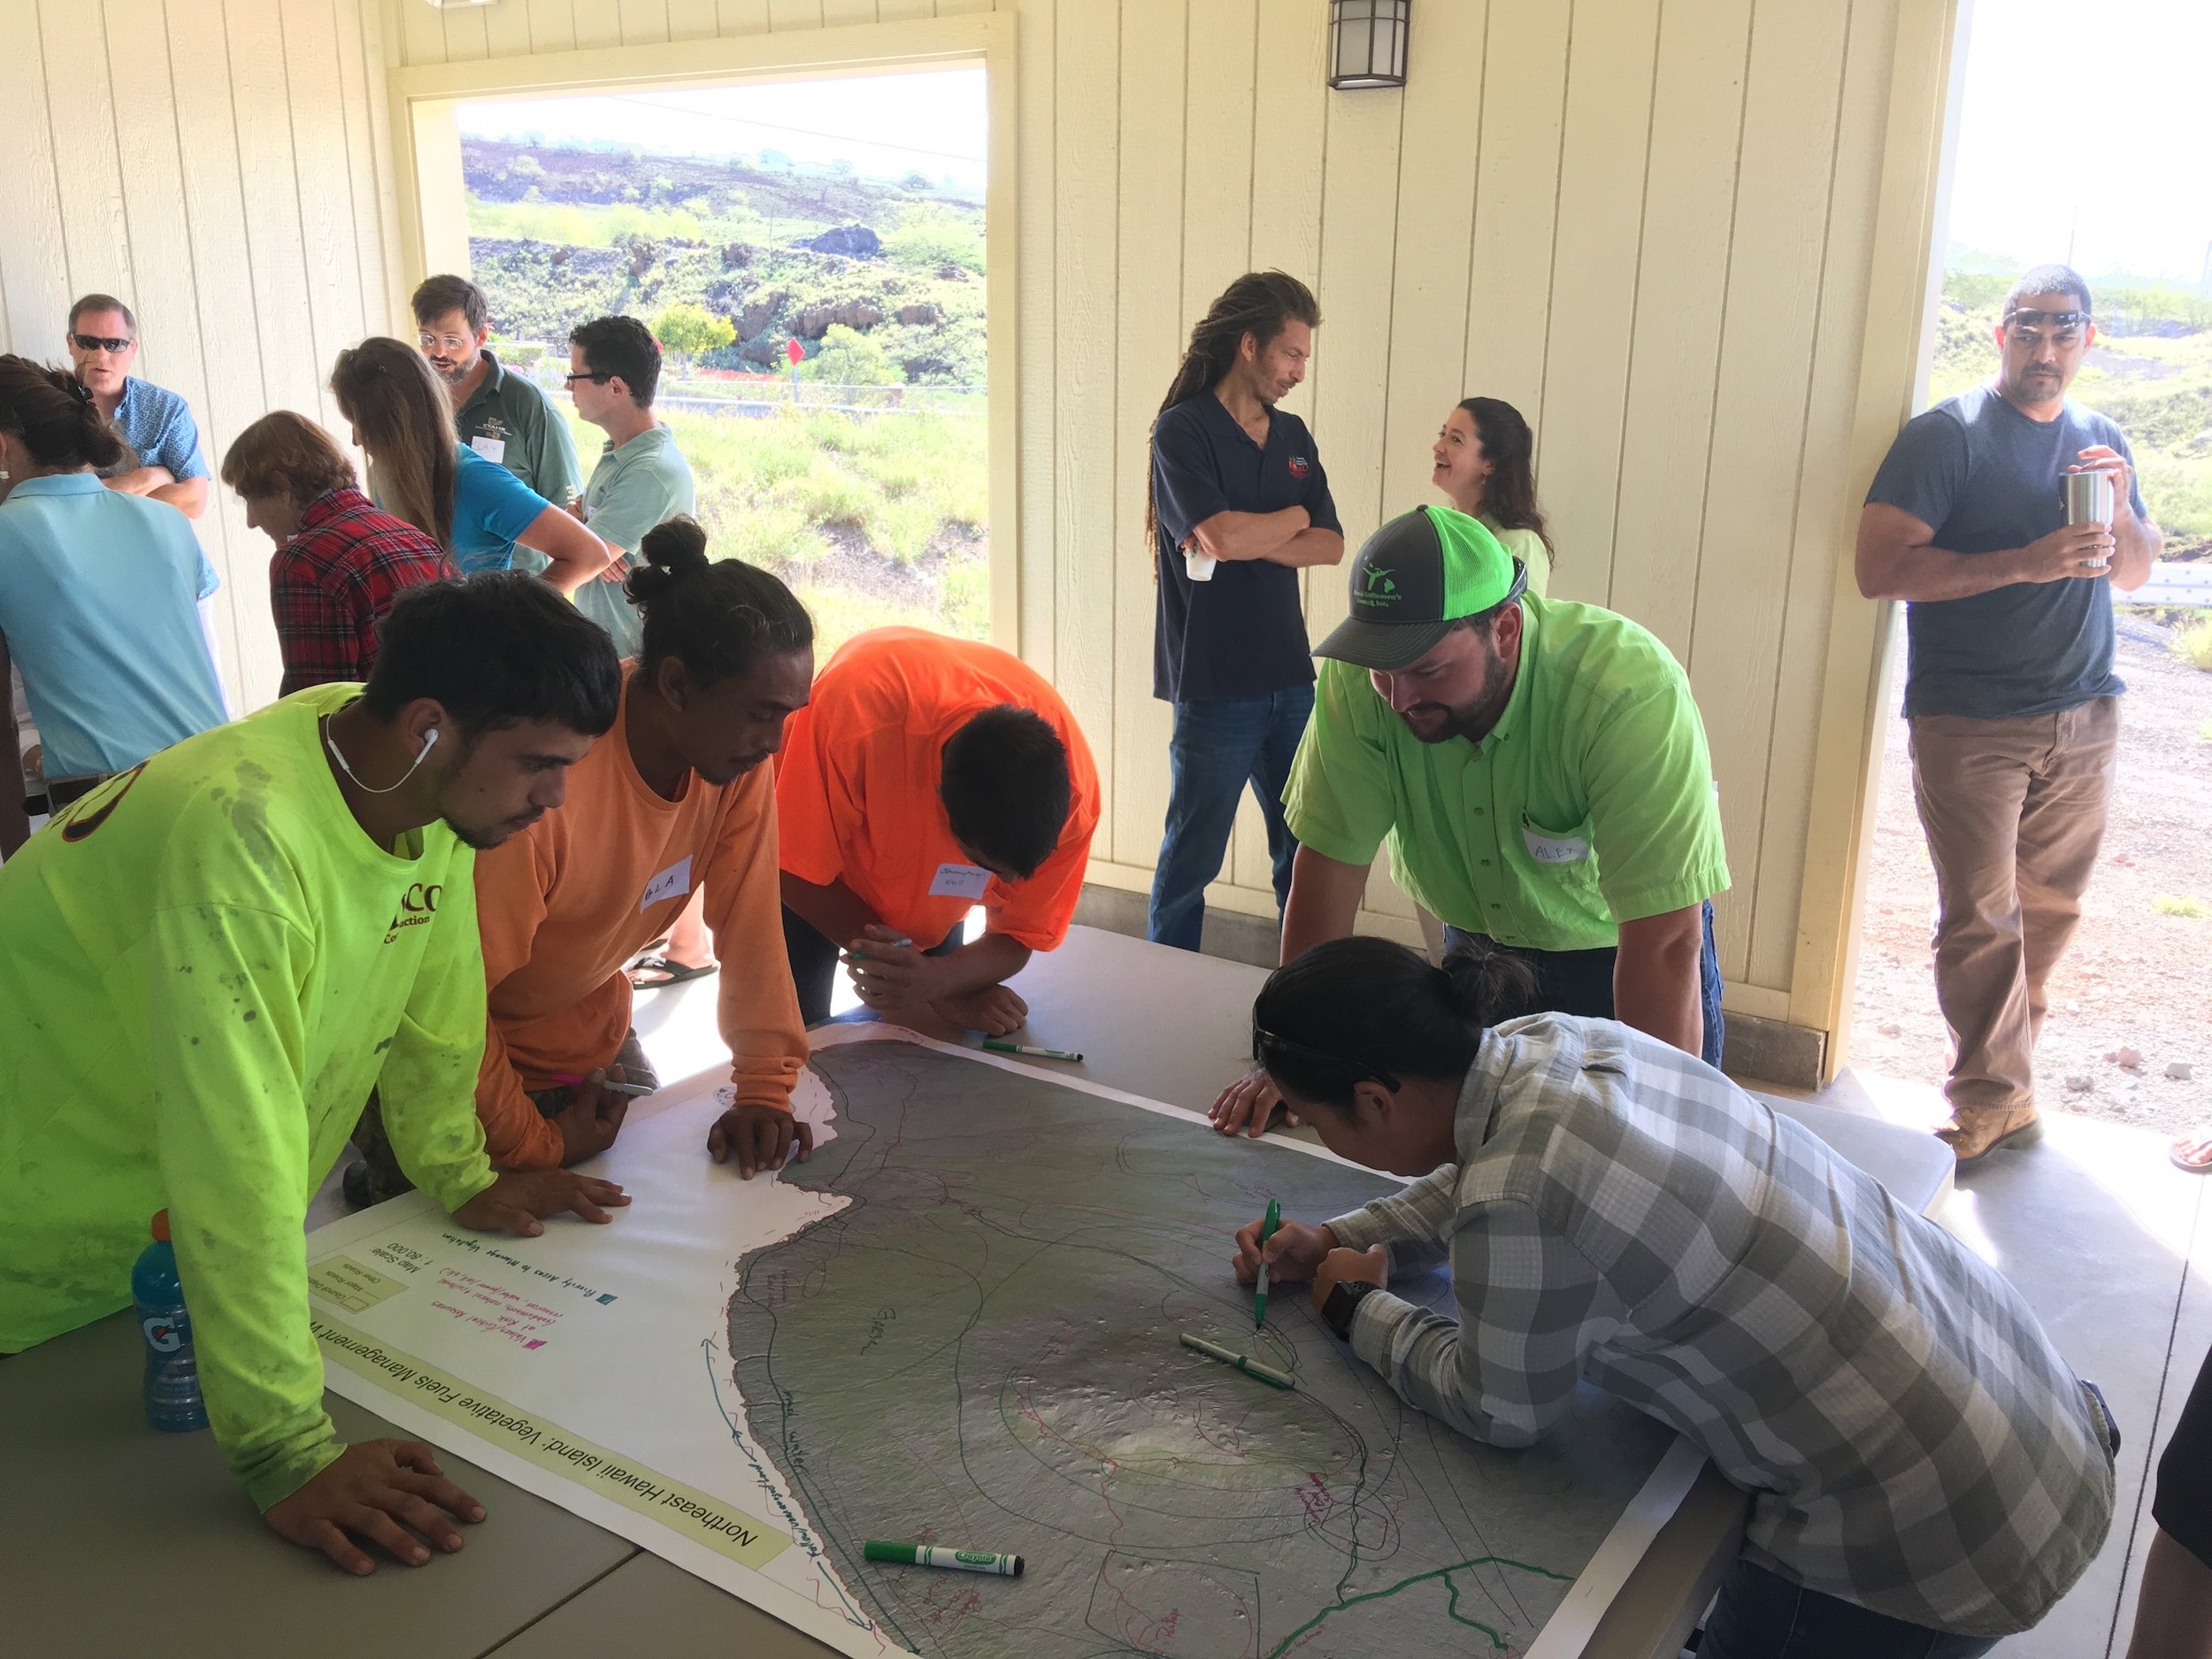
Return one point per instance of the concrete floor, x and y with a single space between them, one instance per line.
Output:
2110 1244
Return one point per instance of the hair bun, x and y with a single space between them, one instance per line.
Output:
1488 983
674 551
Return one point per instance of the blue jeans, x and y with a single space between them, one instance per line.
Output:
1762 1614
1581 982
1218 747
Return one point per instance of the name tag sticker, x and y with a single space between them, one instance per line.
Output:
671 883
959 881
490 449
1554 849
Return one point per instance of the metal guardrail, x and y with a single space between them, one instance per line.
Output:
765 397
2172 583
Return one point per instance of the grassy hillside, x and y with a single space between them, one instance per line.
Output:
2151 371
559 235
872 520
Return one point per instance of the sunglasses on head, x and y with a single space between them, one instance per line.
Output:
2031 325
99 342
1263 1038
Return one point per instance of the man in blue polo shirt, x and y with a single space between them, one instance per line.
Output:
1238 505
169 464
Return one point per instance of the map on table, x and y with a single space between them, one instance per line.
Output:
957 1324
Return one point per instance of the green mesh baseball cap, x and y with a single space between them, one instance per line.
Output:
1416 577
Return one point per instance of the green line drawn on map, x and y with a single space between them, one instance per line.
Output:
979 1341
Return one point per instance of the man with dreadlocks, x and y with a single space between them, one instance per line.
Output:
1237 505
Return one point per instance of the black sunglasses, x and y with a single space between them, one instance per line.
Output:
1263 1038
99 342
596 379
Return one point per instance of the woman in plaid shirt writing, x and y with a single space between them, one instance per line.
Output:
1928 1474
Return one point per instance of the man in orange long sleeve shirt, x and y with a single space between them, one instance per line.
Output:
927 775
676 798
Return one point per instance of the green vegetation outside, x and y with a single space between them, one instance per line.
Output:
874 521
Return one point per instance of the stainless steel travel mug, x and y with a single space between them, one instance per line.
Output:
2089 501
2089 498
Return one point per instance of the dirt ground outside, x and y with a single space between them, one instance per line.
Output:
2136 983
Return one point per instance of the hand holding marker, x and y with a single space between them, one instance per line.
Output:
1267 1231
635 1091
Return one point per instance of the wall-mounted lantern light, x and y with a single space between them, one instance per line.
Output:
1367 43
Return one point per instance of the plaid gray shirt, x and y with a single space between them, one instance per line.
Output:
1623 1215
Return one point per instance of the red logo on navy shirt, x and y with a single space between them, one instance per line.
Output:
1298 466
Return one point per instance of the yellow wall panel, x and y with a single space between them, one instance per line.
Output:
1602 161
1149 335
1687 240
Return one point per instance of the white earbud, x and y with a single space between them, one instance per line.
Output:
429 742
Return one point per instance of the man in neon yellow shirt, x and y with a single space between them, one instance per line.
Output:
1539 771
206 965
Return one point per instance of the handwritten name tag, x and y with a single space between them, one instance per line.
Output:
671 883
490 449
1554 849
959 881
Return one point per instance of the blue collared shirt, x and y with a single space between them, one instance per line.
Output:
158 425
99 600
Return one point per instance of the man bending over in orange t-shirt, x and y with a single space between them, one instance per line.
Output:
929 775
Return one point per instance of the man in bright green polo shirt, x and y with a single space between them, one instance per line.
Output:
207 962
1539 771
504 418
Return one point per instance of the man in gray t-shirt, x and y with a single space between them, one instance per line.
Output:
2009 688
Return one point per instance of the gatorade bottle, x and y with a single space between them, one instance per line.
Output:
173 1375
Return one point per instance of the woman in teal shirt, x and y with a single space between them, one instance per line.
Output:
420 470
99 595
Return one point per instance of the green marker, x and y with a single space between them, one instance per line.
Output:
902 942
933 1556
1267 1231
996 1047
1229 1357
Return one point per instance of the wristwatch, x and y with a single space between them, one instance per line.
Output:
1342 1303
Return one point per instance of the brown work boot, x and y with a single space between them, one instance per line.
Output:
1975 1131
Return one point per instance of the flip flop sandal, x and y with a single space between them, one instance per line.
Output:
2186 1165
675 973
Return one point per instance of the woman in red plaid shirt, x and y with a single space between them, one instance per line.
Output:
340 561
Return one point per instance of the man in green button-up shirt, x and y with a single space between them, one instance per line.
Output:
1539 771
504 418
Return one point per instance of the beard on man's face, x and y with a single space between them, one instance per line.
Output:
1441 722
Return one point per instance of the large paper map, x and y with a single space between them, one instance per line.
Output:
957 1324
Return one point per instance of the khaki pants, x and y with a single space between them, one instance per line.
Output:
2014 810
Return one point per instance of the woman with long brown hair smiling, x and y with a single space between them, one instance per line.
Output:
1485 460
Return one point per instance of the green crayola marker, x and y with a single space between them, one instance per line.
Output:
933 1556
1267 1231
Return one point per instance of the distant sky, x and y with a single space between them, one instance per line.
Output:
2088 120
931 122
